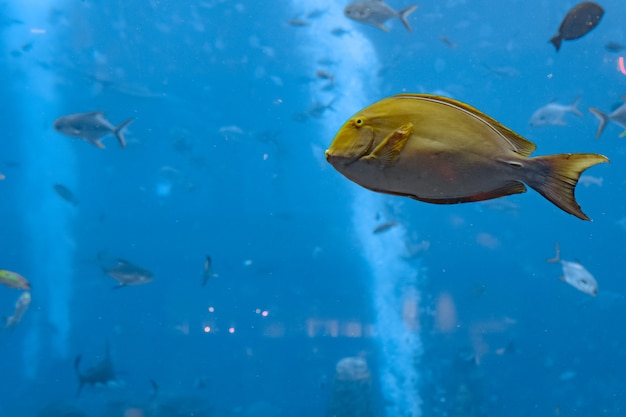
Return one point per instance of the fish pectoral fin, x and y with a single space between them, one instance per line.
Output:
387 152
382 27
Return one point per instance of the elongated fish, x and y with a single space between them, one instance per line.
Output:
442 151
14 280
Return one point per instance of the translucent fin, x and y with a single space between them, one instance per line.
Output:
555 177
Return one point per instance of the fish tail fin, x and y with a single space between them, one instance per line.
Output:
404 14
119 132
574 107
556 41
555 177
602 116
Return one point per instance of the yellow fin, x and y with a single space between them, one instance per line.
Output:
555 177
387 152
520 145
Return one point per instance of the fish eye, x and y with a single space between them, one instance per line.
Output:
358 122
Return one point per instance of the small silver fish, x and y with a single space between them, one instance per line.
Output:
618 116
376 13
552 114
91 126
576 275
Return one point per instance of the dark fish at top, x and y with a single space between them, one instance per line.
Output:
66 194
102 373
578 22
126 273
91 126
443 151
376 13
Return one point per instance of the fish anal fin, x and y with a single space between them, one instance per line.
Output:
382 27
555 177
513 187
387 152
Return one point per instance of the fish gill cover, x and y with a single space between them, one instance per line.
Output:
265 283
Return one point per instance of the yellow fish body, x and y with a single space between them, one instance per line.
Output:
440 150
14 280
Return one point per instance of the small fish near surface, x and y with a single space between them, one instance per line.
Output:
102 373
92 127
376 13
127 273
20 308
617 116
14 280
438 150
576 275
65 193
579 21
552 114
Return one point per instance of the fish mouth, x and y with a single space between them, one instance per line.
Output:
346 150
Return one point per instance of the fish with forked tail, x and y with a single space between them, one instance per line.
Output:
438 150
102 373
552 114
92 127
617 116
376 13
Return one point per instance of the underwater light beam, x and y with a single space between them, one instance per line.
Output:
393 279
46 218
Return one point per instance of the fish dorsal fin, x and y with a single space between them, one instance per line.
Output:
520 145
94 113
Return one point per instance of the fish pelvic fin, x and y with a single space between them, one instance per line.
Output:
603 117
555 177
556 41
404 14
119 132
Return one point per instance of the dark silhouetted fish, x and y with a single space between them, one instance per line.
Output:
614 47
66 194
578 22
126 273
101 373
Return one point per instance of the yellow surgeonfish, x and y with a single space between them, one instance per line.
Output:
442 151
13 280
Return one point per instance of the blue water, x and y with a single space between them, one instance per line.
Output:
455 310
